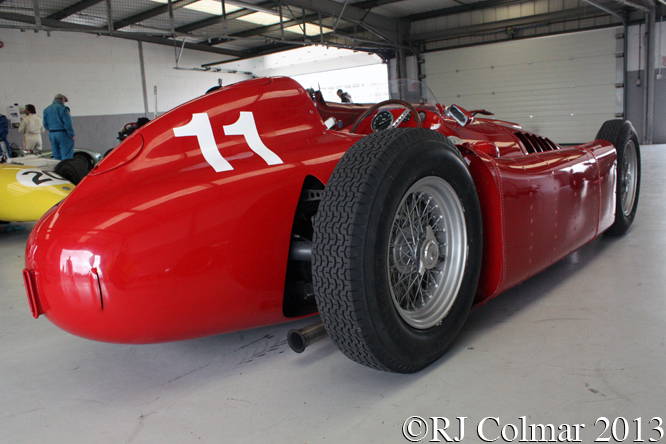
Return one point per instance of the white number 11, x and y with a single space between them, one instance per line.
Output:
245 126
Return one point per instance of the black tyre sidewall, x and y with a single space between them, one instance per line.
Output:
88 161
622 222
406 346
73 170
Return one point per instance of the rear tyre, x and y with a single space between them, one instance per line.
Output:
73 170
623 136
397 249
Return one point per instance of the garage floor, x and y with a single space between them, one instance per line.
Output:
585 339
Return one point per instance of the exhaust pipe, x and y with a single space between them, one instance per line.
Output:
300 250
299 339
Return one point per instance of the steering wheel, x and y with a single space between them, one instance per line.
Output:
398 121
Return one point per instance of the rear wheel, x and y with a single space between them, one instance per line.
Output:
623 136
397 248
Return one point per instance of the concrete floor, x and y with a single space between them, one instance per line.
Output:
583 340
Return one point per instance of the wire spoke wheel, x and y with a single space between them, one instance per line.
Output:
397 249
427 252
628 178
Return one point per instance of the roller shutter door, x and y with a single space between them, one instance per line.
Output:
562 87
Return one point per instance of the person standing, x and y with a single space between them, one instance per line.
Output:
5 149
58 121
32 126
345 97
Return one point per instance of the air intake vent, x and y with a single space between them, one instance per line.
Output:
536 144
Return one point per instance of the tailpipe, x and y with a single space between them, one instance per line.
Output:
299 339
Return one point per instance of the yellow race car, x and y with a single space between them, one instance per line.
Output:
26 193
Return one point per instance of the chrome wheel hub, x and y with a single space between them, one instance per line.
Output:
429 252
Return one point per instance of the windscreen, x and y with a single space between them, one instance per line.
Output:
411 91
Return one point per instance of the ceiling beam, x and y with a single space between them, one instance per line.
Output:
55 25
171 42
635 5
383 25
328 38
484 4
276 27
48 23
254 7
150 13
258 31
73 9
219 19
369 4
458 9
606 10
550 17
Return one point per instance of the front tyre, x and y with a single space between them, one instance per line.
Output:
397 249
623 136
74 169
86 159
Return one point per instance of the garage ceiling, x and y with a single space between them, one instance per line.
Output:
241 29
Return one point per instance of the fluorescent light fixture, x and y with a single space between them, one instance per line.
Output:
260 18
213 7
310 29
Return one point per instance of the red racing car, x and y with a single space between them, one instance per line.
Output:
257 203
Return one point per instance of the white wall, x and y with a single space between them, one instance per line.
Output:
99 75
634 44
562 87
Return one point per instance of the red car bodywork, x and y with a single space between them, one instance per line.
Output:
156 245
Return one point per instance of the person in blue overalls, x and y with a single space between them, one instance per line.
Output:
5 149
58 121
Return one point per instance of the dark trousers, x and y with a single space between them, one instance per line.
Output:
62 145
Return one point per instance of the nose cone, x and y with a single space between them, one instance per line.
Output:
92 265
129 258
63 277
150 249
96 274
81 254
99 268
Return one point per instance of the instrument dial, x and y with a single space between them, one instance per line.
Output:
382 121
